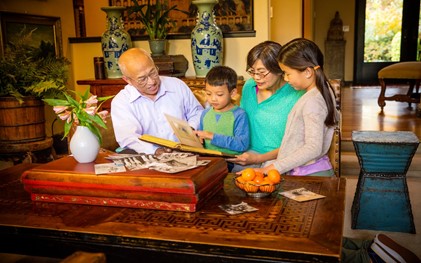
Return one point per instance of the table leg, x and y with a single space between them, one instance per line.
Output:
381 99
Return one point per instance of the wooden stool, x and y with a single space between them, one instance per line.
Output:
381 200
410 71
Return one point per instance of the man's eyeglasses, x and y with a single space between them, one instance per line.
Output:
141 81
261 75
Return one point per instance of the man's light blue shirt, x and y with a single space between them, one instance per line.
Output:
134 114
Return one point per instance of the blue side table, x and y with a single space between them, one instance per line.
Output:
381 200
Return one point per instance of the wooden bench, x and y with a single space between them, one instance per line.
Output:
410 71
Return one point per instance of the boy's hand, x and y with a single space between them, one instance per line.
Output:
204 135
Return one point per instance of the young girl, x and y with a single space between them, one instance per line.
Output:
311 122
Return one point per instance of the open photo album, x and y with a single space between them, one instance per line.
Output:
188 141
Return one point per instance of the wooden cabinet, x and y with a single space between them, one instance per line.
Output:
108 87
104 87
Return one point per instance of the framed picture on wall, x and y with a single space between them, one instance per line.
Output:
46 31
234 17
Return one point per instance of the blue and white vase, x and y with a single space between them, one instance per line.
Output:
206 39
114 41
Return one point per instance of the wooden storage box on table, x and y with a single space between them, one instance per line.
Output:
67 181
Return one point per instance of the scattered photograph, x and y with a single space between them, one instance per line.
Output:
107 168
235 209
168 162
301 195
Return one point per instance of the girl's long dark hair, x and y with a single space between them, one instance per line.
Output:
301 54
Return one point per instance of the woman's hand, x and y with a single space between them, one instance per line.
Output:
246 158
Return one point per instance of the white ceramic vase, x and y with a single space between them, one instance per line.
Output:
84 145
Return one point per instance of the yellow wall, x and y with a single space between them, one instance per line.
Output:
324 12
286 24
286 20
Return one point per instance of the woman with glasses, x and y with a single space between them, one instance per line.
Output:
139 108
267 99
311 122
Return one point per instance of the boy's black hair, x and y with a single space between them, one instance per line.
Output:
222 75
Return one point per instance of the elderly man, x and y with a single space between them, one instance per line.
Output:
139 108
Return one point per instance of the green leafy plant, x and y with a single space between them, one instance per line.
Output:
32 71
155 18
83 112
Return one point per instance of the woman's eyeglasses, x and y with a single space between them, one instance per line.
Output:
261 75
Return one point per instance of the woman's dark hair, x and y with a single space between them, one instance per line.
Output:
267 52
300 54
221 75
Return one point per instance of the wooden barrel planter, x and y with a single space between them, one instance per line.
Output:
21 123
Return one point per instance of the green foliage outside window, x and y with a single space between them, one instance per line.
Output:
383 30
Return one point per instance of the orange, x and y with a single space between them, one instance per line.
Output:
258 179
274 176
241 179
267 186
251 187
240 182
248 174
267 181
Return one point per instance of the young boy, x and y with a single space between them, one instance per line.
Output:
223 126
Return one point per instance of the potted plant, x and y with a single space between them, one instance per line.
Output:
157 21
32 71
28 74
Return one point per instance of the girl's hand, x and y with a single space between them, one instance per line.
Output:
257 170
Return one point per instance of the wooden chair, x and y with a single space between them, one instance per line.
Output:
334 152
402 71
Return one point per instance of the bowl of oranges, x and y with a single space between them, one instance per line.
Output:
256 184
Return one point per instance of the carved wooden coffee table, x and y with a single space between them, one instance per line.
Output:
281 230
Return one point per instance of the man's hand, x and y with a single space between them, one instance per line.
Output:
162 150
